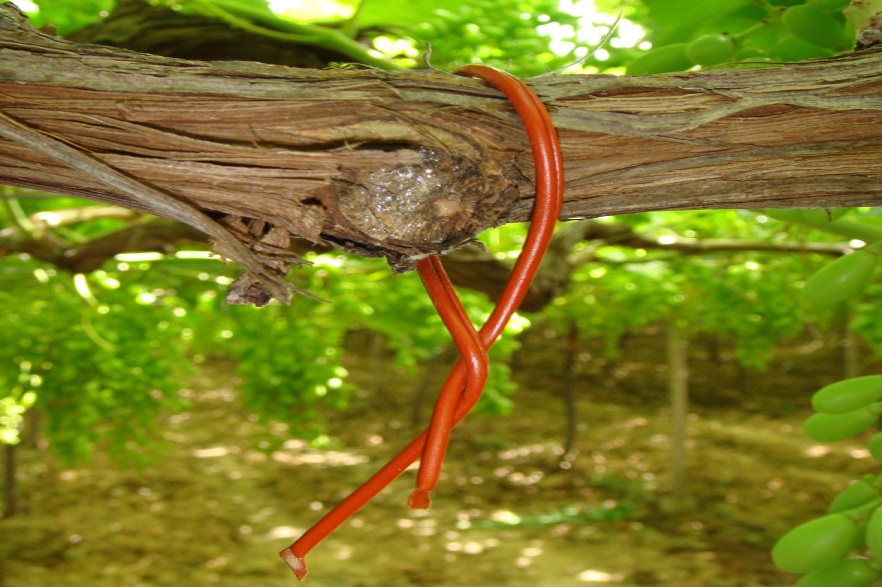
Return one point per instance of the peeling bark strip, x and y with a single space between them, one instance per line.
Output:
404 164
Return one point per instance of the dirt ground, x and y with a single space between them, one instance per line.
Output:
215 510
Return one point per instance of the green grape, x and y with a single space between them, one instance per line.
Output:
785 2
733 23
709 50
766 38
815 544
791 48
848 395
829 5
830 428
875 446
661 60
746 63
842 279
848 573
754 54
853 496
873 533
812 24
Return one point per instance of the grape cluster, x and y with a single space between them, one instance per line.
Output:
843 547
757 32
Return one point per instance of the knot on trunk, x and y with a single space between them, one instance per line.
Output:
409 210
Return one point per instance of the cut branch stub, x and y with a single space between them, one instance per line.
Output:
412 210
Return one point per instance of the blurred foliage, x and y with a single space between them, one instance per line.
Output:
100 356
748 296
97 355
65 15
116 345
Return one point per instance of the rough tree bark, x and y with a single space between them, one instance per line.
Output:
403 164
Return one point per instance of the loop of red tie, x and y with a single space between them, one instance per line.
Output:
464 385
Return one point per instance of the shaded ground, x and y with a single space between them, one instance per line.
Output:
216 510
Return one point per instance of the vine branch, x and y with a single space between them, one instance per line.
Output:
256 155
